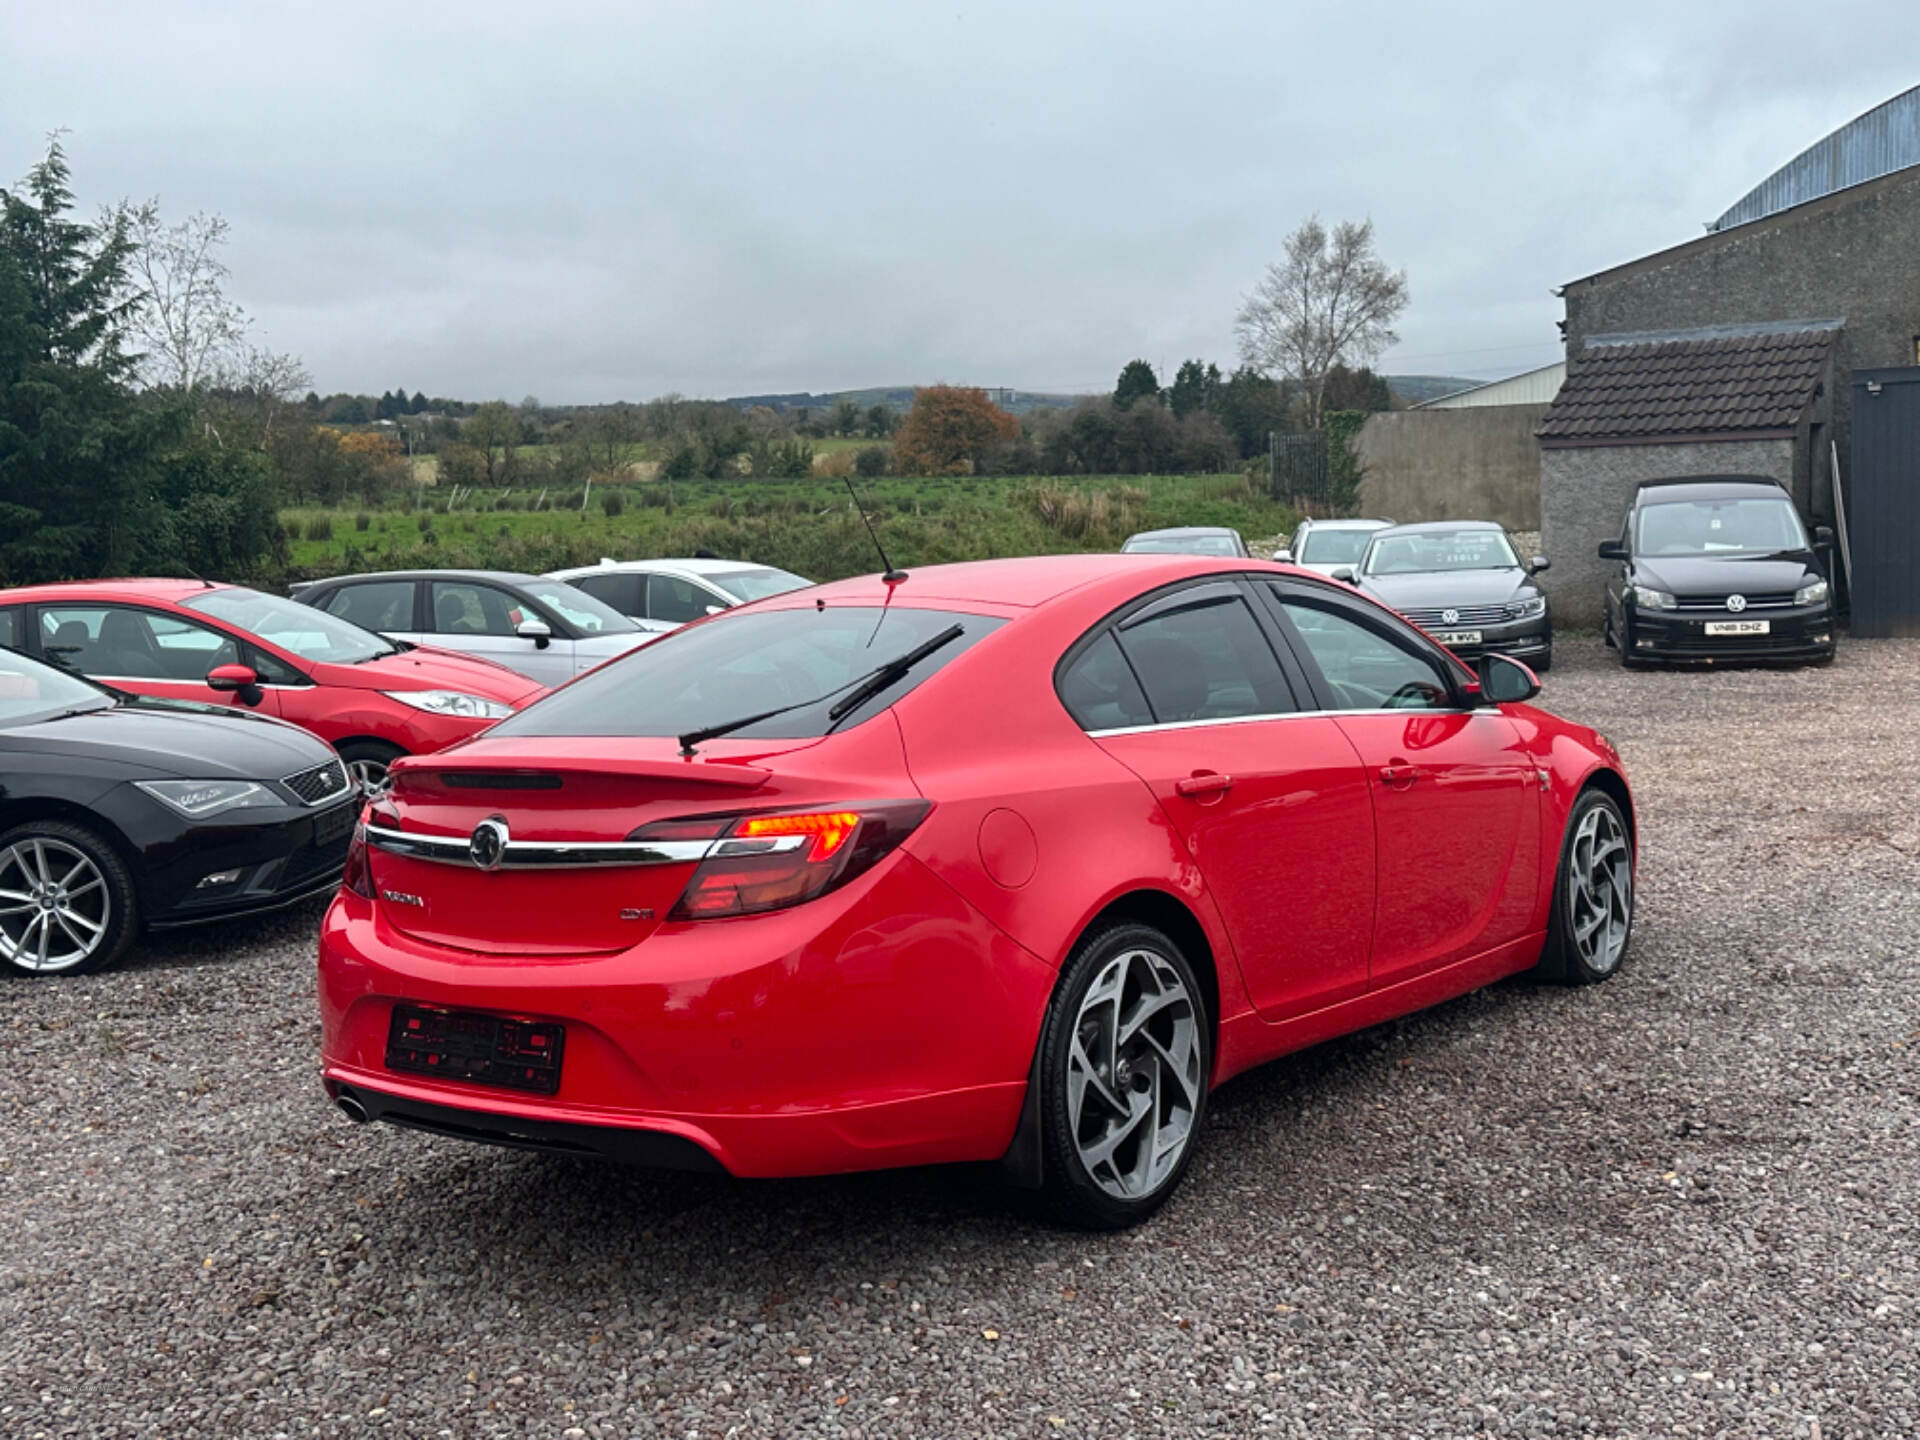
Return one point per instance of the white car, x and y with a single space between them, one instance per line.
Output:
547 631
662 595
1325 546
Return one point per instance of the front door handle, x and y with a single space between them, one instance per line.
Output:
1400 774
1203 783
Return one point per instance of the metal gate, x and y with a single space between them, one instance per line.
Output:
1883 502
1297 468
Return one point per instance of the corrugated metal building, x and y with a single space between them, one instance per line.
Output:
1534 387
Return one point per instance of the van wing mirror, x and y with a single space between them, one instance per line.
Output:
1612 550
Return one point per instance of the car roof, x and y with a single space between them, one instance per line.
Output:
158 589
1185 530
690 566
1020 583
508 577
1705 487
1349 524
1430 527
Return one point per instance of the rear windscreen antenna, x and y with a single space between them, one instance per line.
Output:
890 575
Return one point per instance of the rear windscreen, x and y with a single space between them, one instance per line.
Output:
745 664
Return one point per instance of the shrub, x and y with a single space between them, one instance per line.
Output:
426 521
612 502
320 527
872 461
362 520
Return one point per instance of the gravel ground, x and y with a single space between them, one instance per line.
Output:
1683 1203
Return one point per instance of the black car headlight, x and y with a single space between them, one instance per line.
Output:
200 799
1647 598
1814 592
1527 607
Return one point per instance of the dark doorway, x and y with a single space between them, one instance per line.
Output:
1883 502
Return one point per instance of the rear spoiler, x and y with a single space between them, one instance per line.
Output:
515 772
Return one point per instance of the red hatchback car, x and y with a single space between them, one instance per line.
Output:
1005 861
374 701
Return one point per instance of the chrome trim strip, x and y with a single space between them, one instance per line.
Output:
1285 715
575 855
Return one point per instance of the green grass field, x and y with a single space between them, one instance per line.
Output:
807 526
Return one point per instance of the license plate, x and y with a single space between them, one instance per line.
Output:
513 1053
1737 627
1457 637
332 824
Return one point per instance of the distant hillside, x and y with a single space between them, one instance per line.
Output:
1408 389
897 397
1418 389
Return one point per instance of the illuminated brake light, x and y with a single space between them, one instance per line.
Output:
829 831
748 872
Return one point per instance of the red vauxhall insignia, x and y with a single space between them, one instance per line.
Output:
1004 861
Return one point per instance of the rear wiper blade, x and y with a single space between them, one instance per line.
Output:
891 673
865 688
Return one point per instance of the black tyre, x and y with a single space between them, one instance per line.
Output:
1125 1057
1592 919
1543 664
67 903
367 762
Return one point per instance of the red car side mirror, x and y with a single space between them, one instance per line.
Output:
237 680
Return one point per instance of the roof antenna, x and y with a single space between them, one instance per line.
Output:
890 575
196 574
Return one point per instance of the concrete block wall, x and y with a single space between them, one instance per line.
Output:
1478 463
1584 494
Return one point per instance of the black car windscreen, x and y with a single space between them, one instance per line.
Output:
745 664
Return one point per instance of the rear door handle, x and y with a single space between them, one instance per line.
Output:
1203 782
1401 775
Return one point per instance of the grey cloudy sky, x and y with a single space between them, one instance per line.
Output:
596 201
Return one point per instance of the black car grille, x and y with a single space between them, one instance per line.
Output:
320 784
1766 600
1430 618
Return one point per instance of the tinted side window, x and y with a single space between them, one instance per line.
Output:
625 593
1365 668
675 600
380 605
1099 690
132 644
1205 659
10 628
463 608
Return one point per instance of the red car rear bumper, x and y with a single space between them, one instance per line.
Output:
884 1024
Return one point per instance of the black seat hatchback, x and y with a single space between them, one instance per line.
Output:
1715 569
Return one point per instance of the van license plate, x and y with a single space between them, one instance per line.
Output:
1736 627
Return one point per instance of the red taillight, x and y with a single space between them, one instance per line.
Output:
358 875
770 861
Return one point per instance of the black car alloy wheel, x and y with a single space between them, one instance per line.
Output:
66 901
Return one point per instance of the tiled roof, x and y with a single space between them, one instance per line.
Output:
1657 390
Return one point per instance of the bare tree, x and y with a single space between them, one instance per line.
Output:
262 383
1330 300
185 322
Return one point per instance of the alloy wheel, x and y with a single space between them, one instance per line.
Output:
55 907
370 776
1600 893
1134 1074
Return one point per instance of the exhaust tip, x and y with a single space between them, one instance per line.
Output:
351 1107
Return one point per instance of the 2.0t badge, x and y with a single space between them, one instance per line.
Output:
488 845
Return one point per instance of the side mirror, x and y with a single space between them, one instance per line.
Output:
1540 562
1505 681
237 680
1612 550
1345 575
1283 555
537 631
1823 535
